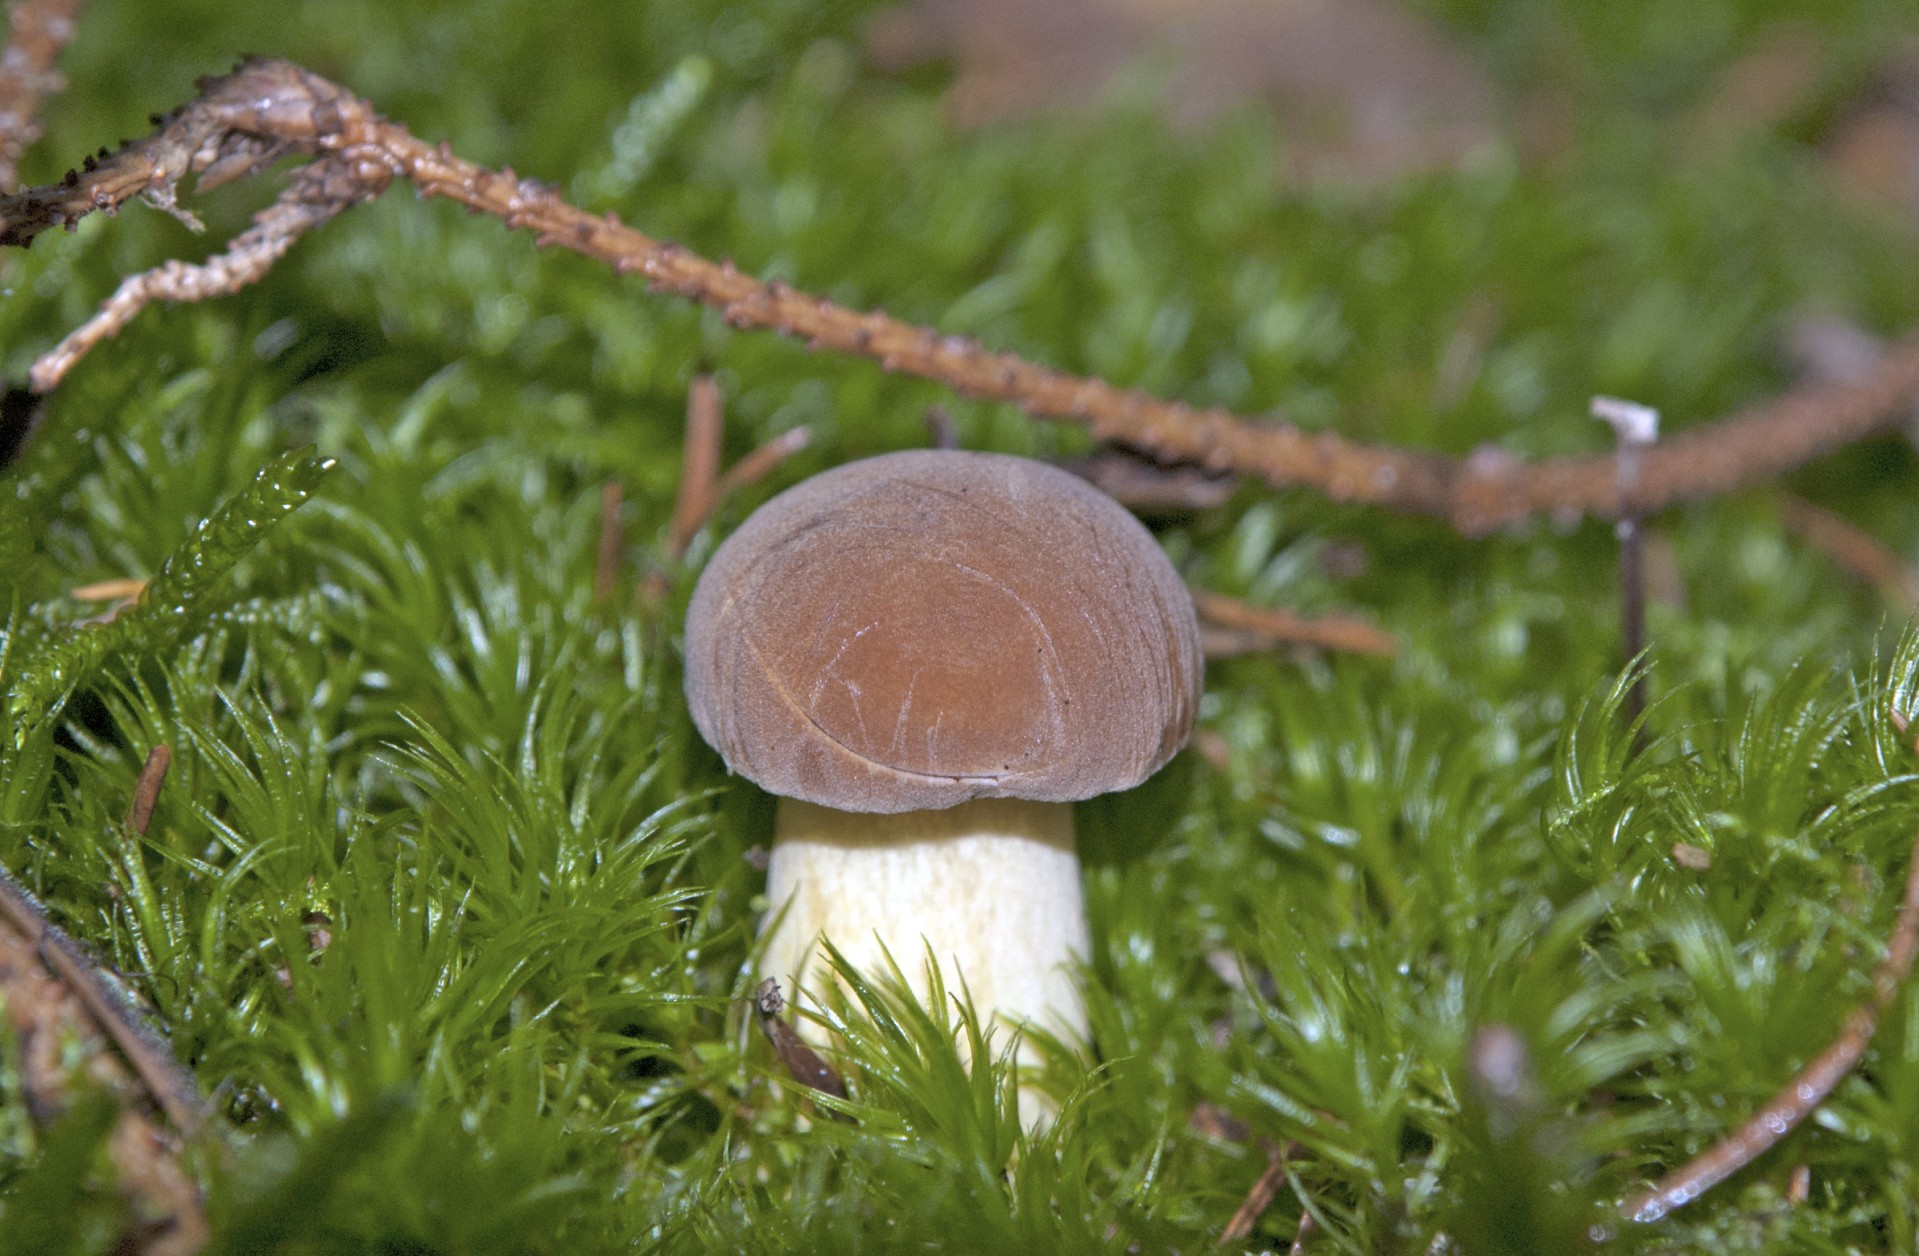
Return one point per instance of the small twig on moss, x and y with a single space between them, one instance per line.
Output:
1213 748
146 790
1260 1196
760 463
1251 628
241 122
1305 1230
606 556
37 30
121 595
802 1062
125 589
699 465
1810 1087
61 1007
171 1087
60 1051
703 486
941 431
1212 1121
1147 488
1692 858
1854 549
315 194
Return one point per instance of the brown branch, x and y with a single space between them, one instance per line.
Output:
267 108
126 589
55 1002
606 558
171 1087
941 431
146 790
1210 1120
1251 627
315 194
1853 548
761 462
1147 488
1307 1226
699 465
1260 1196
1809 1088
36 32
1799 1184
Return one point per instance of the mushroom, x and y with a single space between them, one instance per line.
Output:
929 656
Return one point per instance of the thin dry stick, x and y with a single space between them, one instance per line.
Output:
171 1086
801 1061
125 589
941 431
606 563
36 32
1852 548
146 790
1808 1089
760 463
1213 1121
699 465
58 1049
1268 627
1147 488
1305 1231
1260 1196
315 194
242 121
1799 1184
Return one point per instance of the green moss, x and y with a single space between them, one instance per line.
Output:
451 911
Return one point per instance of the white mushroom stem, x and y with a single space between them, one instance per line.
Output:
992 886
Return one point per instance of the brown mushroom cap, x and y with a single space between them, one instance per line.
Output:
918 629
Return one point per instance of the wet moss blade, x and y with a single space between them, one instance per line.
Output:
176 598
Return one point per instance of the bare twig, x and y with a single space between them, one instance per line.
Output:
1809 1088
1260 1196
761 462
1258 627
940 428
146 790
57 1005
606 562
1213 1121
1147 488
699 465
36 32
801 1060
266 108
126 589
702 485
171 1086
1692 858
315 194
1307 1226
1213 748
1854 549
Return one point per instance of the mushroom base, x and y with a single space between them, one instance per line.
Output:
991 886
